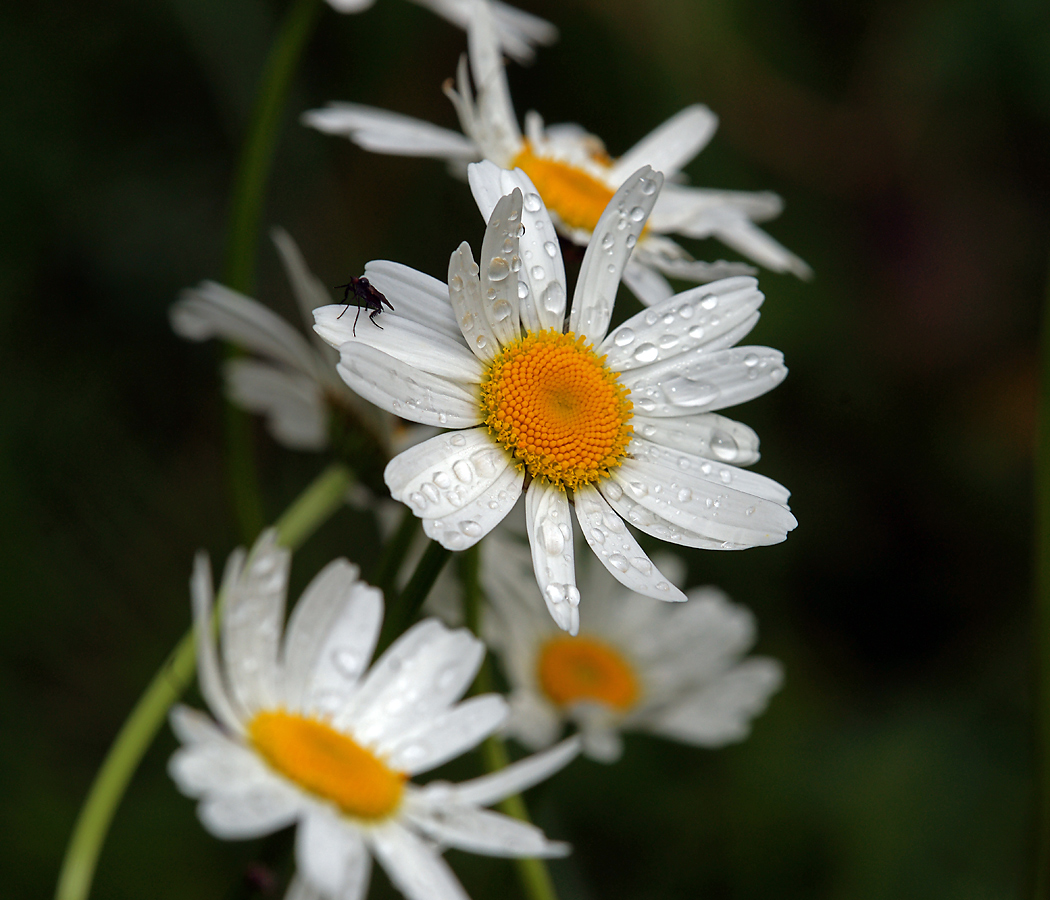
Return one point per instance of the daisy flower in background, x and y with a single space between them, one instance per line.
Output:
516 30
306 734
292 384
574 174
637 665
622 426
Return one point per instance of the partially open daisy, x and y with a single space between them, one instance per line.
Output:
518 31
637 665
575 176
291 382
620 425
305 734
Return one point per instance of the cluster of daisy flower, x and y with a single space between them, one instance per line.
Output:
480 391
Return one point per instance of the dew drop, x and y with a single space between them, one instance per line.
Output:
463 471
642 565
623 337
724 446
709 301
501 311
508 246
538 273
597 536
608 242
690 393
442 480
551 538
685 495
645 404
470 528
490 294
554 298
667 341
347 663
532 202
523 290
648 186
481 342
613 491
637 214
551 249
696 332
751 360
457 440
619 562
456 283
631 241
646 353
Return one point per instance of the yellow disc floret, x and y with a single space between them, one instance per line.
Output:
571 669
327 763
578 198
552 402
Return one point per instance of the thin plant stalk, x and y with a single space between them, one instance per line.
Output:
246 205
534 875
313 507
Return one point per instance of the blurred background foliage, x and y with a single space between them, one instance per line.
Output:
910 141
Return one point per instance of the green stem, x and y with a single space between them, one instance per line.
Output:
534 875
313 507
246 204
399 615
385 572
1042 614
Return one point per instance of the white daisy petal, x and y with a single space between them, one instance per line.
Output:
488 833
301 889
716 511
541 286
753 242
696 318
617 549
387 132
532 722
329 854
410 342
550 538
405 390
438 477
656 525
647 284
209 672
705 471
309 292
418 296
294 406
499 264
494 106
252 814
417 679
722 712
687 269
415 869
446 736
213 311
700 381
615 235
331 635
513 779
350 6
670 146
702 212
251 625
465 527
211 760
464 291
705 434
601 742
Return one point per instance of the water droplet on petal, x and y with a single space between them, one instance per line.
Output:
463 471
523 290
646 353
470 528
551 249
724 446
637 214
623 337
709 301
538 273
619 562
532 202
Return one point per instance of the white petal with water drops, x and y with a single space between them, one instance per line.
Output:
464 291
550 539
465 527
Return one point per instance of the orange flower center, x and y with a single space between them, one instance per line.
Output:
581 668
327 763
550 400
578 198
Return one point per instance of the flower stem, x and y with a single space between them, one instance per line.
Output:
246 203
1042 614
407 606
313 507
534 875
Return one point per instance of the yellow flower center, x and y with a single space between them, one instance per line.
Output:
327 763
577 197
552 402
581 668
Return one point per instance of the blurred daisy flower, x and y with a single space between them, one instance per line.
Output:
620 425
516 30
306 734
637 665
574 174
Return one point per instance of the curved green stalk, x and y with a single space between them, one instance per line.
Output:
313 507
246 205
534 875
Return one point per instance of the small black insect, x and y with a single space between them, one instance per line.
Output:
364 297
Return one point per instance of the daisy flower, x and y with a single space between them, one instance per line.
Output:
306 735
516 30
574 174
637 665
290 380
620 425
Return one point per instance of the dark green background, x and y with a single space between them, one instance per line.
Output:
911 143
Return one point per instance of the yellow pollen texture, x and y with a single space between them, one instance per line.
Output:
578 198
327 763
550 400
581 668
